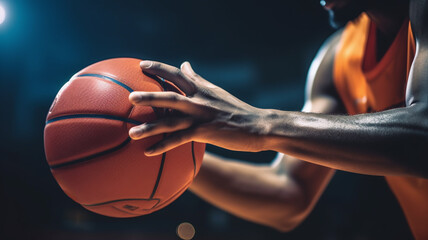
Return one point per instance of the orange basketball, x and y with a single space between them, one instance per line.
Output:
91 155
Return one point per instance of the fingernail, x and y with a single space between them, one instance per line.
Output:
149 151
184 64
186 68
146 64
133 97
133 133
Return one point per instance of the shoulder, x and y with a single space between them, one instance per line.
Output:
319 82
418 15
324 59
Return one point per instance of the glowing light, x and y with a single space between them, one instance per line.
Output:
186 231
2 14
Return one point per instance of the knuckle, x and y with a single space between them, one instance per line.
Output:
155 65
177 72
195 75
143 96
150 97
147 128
161 145
180 74
173 97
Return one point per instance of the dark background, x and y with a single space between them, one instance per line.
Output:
260 51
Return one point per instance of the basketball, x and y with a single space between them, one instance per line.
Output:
92 157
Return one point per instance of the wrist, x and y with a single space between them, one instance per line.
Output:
262 127
273 128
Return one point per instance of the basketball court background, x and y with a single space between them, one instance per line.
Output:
257 50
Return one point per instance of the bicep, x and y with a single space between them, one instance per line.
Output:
417 87
321 95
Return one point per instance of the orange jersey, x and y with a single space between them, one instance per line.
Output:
367 85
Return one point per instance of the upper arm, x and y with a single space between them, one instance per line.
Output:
320 97
417 87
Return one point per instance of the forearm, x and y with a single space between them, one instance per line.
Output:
390 142
254 192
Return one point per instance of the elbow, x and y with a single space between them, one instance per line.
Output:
289 224
288 205
284 228
291 217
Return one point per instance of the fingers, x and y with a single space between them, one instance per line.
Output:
170 142
170 73
163 100
165 125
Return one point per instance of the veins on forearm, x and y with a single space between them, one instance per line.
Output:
389 142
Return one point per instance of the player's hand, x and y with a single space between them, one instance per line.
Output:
209 113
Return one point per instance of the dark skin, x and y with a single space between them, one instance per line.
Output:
315 141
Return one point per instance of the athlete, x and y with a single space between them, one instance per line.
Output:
366 111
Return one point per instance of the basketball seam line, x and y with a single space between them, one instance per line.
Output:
194 160
182 190
159 175
128 88
155 187
162 83
144 199
120 210
107 78
87 158
120 200
102 116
